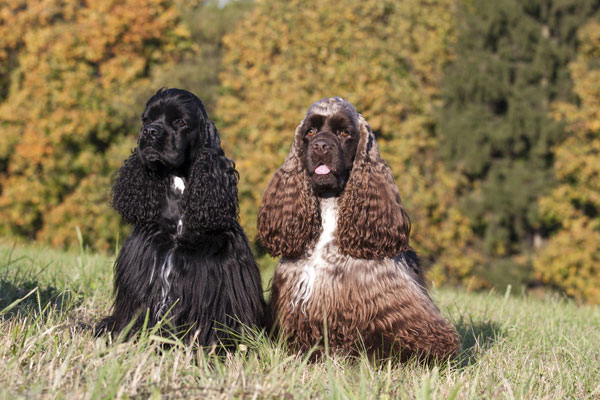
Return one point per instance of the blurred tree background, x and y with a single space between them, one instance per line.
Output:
570 260
386 57
74 79
496 128
487 112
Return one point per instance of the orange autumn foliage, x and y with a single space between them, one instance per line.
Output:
69 109
387 59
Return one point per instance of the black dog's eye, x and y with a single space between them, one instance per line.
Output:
343 132
311 132
145 120
180 123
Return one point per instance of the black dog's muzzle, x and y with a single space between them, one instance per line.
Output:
152 138
321 146
152 133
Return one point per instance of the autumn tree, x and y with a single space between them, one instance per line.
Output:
570 259
384 57
68 101
207 21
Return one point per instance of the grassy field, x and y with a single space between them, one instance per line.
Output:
514 346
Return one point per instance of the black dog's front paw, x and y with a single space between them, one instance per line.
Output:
107 325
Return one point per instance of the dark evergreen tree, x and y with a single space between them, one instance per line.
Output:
495 124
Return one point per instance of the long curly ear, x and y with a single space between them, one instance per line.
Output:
211 202
138 192
288 217
372 221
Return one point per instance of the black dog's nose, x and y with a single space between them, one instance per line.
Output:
153 131
320 147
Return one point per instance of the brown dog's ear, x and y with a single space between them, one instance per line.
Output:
372 221
288 217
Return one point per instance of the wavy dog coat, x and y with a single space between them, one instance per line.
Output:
346 265
187 260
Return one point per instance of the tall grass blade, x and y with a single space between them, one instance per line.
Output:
17 302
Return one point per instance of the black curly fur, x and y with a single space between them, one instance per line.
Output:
137 185
187 260
212 199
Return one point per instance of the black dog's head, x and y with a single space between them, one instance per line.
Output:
330 135
178 170
174 129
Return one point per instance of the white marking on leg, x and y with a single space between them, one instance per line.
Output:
153 269
165 273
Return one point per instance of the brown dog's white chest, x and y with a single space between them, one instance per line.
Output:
347 293
312 269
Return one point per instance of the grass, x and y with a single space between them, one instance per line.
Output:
514 346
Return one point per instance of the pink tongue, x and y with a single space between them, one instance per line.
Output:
322 170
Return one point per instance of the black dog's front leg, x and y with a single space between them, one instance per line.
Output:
135 269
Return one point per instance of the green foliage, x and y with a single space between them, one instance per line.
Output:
570 260
198 71
384 57
511 64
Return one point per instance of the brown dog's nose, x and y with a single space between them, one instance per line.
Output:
320 147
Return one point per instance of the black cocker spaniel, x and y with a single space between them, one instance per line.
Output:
187 260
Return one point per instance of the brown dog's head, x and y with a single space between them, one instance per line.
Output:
334 153
330 135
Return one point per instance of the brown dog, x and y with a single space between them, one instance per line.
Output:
334 214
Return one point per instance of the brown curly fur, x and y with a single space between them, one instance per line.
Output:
288 217
364 287
373 223
363 304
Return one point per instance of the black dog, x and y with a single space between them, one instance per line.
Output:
187 260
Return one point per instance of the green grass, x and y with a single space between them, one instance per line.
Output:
513 347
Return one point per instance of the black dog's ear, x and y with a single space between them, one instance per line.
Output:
211 197
137 191
212 136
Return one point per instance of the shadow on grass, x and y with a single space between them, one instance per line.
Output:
22 291
29 297
477 338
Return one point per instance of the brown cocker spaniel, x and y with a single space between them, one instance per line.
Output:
334 215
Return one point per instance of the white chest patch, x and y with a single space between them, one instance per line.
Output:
178 184
165 270
316 262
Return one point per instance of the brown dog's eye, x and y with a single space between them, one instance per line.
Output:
343 133
180 123
311 132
